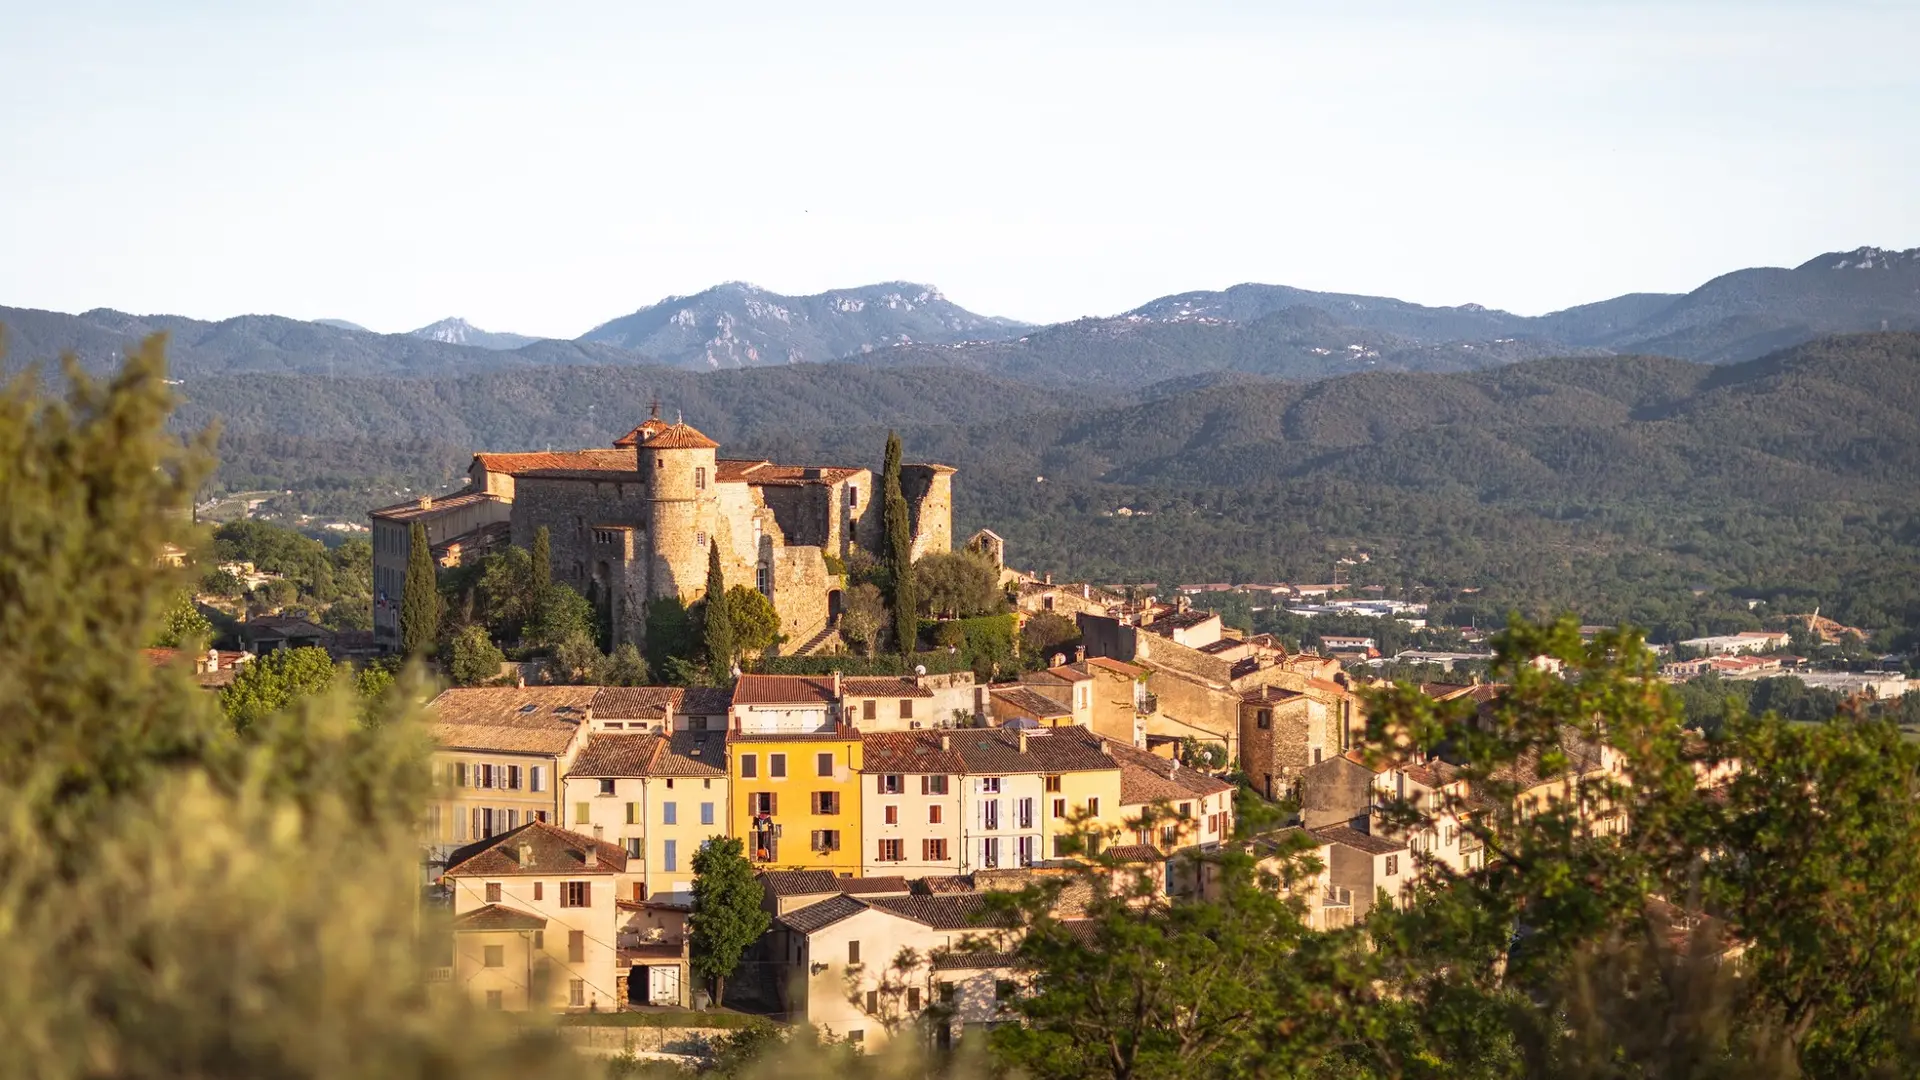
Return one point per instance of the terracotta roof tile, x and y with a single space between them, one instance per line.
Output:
955 911
1147 777
706 700
437 505
782 690
1031 702
618 755
678 437
1052 750
1359 841
496 917
531 719
910 752
1108 663
893 688
875 886
553 851
514 464
645 430
799 882
636 702
815 917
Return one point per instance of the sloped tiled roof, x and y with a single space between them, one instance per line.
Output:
527 720
645 430
893 688
438 504
1359 841
1147 777
496 917
956 911
514 464
799 882
783 690
680 436
636 702
554 852
617 755
1270 695
1108 663
964 960
1054 750
875 886
910 752
1134 853
693 753
706 700
819 916
1031 701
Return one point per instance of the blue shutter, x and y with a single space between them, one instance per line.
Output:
672 856
706 813
670 813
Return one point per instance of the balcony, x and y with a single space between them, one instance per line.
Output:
763 840
1147 704
1336 908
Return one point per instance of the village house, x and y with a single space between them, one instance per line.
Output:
911 802
657 796
789 890
501 753
659 710
794 767
1026 790
654 948
1363 866
1025 706
534 920
888 704
460 528
1106 696
1300 866
1746 641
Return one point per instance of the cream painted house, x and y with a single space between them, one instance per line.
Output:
558 889
657 796
864 969
501 752
910 802
890 705
1017 779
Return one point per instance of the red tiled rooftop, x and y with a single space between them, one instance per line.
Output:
783 690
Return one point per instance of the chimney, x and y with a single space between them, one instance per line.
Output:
1049 577
526 855
1086 592
1079 653
946 741
213 660
1023 740
426 502
836 684
591 856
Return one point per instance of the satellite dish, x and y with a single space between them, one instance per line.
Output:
919 669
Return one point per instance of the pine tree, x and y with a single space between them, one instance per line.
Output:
542 560
719 620
726 916
899 551
420 599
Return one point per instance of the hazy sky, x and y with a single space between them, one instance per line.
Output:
543 167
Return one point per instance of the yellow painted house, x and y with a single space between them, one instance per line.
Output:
793 767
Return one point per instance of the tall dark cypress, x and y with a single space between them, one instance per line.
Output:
899 553
542 561
420 598
719 628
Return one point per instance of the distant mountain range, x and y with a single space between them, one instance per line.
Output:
740 325
1260 330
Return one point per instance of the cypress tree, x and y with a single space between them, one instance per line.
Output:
719 622
420 600
899 550
542 561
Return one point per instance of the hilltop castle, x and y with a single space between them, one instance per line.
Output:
634 522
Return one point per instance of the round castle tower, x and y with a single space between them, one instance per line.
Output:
680 469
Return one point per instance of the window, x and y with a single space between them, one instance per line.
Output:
826 839
582 813
1393 865
639 891
633 813
493 956
606 787
636 847
1026 851
990 814
493 892
763 802
749 766
1186 809
913 999
576 894
824 763
853 496
906 708
576 945
826 802
538 891
990 785
889 784
697 723
933 785
700 541
934 814
577 993
1093 806
1060 847
777 765
1053 784
513 777
891 814
1263 719
1168 835
946 993
496 1000
700 477
933 850
540 816
990 852
892 851
763 579
853 952
706 813
1004 989
1026 813
538 775
857 1036
670 854
869 709
670 813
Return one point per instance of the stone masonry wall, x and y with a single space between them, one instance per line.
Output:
800 586
929 492
570 509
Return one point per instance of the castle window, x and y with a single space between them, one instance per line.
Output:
700 540
853 496
763 579
700 478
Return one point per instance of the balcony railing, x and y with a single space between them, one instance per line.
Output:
1147 704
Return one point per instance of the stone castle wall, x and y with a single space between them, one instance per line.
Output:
800 585
570 509
929 492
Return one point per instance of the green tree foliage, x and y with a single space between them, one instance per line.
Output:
220 583
958 585
578 660
717 620
896 521
863 617
275 681
506 597
755 623
542 559
626 667
671 642
726 916
562 615
420 597
335 587
154 859
1048 633
471 657
182 625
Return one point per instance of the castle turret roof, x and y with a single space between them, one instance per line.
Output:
675 437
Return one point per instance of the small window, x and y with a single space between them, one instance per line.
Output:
1316 755
934 850
1393 865
606 787
892 851
933 785
869 710
1053 784
853 952
1093 807
1059 808
749 766
990 785
891 814
706 813
913 999
538 891
633 813
582 813
670 854
853 496
700 477
888 784
700 541
1004 989
576 945
776 765
493 892
826 802
857 1036
670 813
906 708
539 775
1263 719
933 814
576 894
494 956
825 764
577 993
539 940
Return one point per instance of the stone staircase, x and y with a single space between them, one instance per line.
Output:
827 640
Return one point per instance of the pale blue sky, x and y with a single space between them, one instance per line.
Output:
542 167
